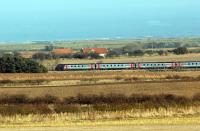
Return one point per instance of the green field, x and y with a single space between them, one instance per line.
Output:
137 43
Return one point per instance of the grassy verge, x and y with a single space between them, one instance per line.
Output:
24 121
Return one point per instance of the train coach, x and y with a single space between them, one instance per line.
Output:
129 66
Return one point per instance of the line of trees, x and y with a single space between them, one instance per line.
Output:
139 52
80 55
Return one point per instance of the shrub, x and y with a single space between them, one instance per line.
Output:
180 50
137 53
18 64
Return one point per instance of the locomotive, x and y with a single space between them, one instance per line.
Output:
129 66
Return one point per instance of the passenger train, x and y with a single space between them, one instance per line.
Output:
129 66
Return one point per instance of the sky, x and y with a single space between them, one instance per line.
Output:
23 20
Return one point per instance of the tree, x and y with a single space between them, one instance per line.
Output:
49 48
137 53
161 52
94 55
79 56
180 50
115 52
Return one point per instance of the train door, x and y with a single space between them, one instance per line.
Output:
176 65
97 66
137 65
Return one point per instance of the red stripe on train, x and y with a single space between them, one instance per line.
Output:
98 66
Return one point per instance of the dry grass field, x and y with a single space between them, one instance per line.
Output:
83 75
64 84
178 88
182 83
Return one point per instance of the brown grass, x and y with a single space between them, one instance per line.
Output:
178 88
92 75
21 104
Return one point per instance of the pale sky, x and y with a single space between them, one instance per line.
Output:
80 19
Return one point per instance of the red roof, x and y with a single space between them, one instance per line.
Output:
96 50
65 51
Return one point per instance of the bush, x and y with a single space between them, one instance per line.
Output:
115 52
94 55
18 64
137 53
180 50
79 56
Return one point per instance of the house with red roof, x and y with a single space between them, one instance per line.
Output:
101 51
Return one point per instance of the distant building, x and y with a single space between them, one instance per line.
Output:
64 51
101 51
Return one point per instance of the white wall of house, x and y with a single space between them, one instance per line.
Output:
102 55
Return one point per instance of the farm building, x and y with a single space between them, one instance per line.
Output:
101 51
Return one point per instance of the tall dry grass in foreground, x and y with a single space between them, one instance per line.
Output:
152 117
99 110
20 104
